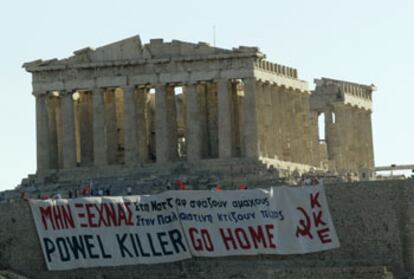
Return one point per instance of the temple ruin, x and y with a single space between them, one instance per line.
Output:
129 104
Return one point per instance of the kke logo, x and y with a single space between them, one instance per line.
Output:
313 219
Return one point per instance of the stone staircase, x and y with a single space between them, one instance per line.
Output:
152 178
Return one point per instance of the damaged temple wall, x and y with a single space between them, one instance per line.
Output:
286 128
374 222
347 109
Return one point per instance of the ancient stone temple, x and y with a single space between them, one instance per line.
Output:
128 104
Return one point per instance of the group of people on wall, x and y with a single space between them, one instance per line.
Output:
89 190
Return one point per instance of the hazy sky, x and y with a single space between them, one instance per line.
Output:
361 41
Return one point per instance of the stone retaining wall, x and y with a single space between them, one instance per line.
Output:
374 222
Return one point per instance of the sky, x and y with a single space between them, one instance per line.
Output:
361 41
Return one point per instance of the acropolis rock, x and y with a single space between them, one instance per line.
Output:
138 116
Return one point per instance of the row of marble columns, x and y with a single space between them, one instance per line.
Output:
135 132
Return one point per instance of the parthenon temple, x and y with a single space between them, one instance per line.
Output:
130 104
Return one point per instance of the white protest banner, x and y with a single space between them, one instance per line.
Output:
283 220
176 225
108 231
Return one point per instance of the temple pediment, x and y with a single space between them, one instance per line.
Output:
127 49
132 49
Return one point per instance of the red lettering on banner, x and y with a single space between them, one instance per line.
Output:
270 235
228 238
81 215
125 216
317 218
324 235
257 236
242 238
239 238
67 216
197 244
110 214
104 215
129 222
57 216
314 200
201 239
46 213
101 215
90 215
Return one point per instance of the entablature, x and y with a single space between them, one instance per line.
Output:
331 91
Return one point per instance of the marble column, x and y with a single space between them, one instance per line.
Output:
359 142
130 123
366 141
193 132
351 137
313 138
362 140
69 140
329 134
340 144
111 129
283 131
161 126
99 135
224 118
250 118
171 120
42 135
212 119
236 120
306 138
52 112
241 121
85 109
288 123
267 121
277 112
368 127
143 132
260 112
298 151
